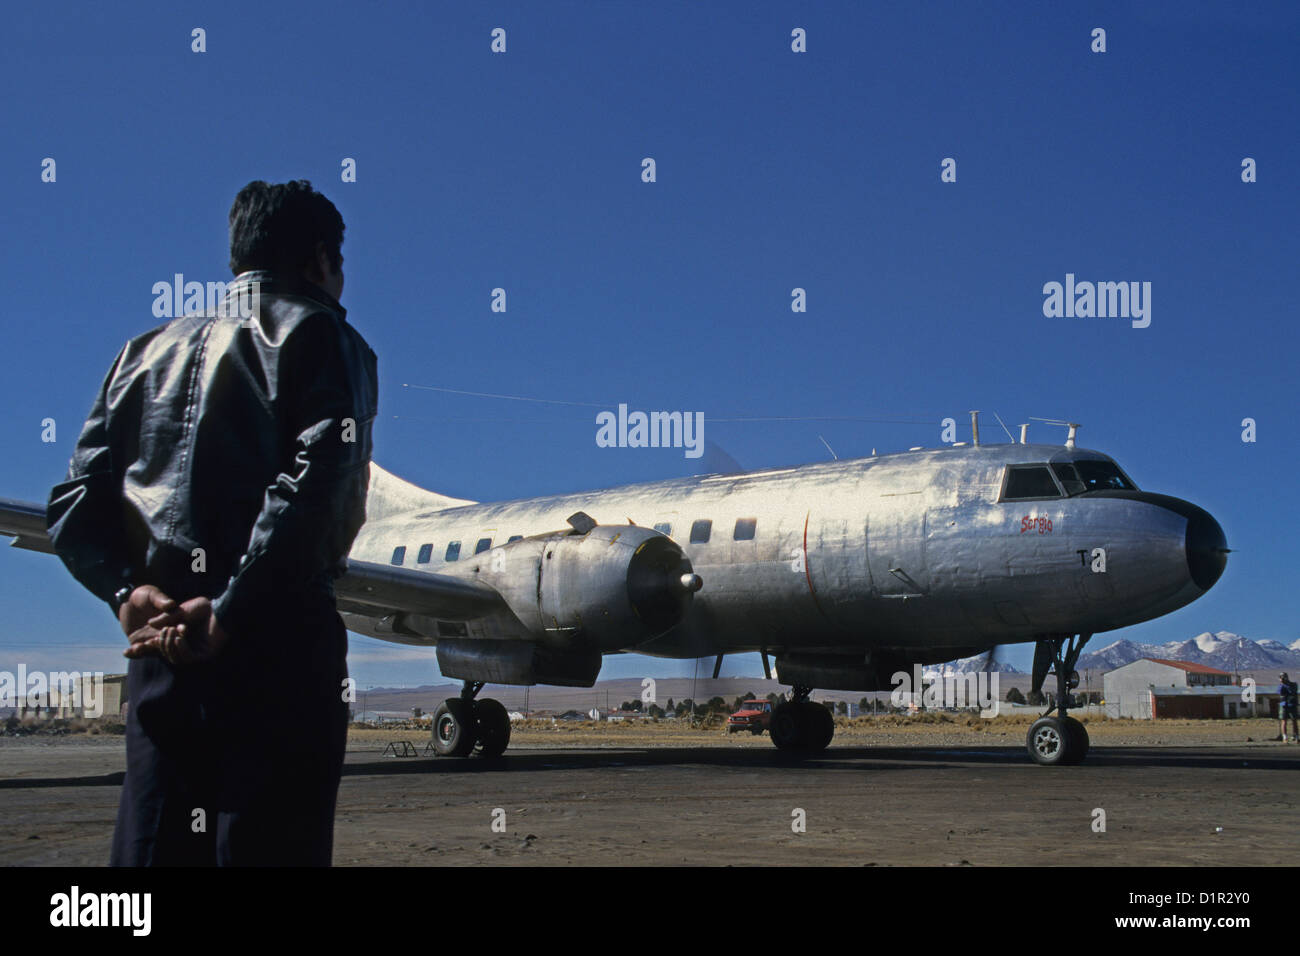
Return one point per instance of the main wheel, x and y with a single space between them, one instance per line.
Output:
787 728
493 728
820 727
1052 742
454 728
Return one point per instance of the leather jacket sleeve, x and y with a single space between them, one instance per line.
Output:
314 508
84 513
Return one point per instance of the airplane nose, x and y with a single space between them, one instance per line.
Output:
1206 547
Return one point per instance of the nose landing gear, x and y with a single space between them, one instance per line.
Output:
1059 740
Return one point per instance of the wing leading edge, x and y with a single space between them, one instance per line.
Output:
378 589
25 522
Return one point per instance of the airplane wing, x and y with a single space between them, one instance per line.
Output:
368 589
24 521
374 590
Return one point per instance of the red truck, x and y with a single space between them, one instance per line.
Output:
753 715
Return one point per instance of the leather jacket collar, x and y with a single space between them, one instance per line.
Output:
278 283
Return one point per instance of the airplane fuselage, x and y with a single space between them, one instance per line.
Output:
929 553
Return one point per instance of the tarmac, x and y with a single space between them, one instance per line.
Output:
723 801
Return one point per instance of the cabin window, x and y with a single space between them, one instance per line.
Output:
1029 481
701 530
399 554
453 551
745 529
483 545
426 552
665 527
514 537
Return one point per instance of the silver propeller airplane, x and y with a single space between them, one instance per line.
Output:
843 572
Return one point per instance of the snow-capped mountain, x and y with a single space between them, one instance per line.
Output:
1115 655
1225 650
968 665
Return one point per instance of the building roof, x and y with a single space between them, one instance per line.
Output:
1188 666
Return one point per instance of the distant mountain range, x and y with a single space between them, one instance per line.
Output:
1224 650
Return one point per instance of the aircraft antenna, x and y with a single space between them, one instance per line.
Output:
829 448
1004 427
1072 426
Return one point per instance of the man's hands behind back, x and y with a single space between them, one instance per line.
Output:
181 634
145 602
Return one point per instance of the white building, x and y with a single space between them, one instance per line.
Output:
1153 687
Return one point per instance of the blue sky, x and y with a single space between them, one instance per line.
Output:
775 170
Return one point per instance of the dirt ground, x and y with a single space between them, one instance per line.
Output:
889 791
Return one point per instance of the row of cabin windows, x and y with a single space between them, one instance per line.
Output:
700 533
702 530
425 554
1023 482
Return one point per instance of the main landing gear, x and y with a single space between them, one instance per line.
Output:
801 726
1059 740
464 726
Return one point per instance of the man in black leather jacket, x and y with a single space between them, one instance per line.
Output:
213 496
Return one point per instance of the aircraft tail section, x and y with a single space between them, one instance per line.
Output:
390 495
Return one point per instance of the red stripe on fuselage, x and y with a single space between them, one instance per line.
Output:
807 567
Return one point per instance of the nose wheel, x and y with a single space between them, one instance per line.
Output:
464 726
1060 740
1054 741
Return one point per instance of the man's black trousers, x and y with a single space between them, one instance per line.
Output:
238 763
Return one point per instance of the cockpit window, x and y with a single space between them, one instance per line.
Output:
1069 478
1103 476
1029 481
1085 475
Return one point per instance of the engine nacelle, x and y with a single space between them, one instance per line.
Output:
609 588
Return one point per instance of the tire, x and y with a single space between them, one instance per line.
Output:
756 730
493 728
1051 742
788 725
1079 743
820 727
454 728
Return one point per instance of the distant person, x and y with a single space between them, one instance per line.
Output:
1288 707
212 499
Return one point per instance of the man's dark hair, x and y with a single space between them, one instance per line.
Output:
276 228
